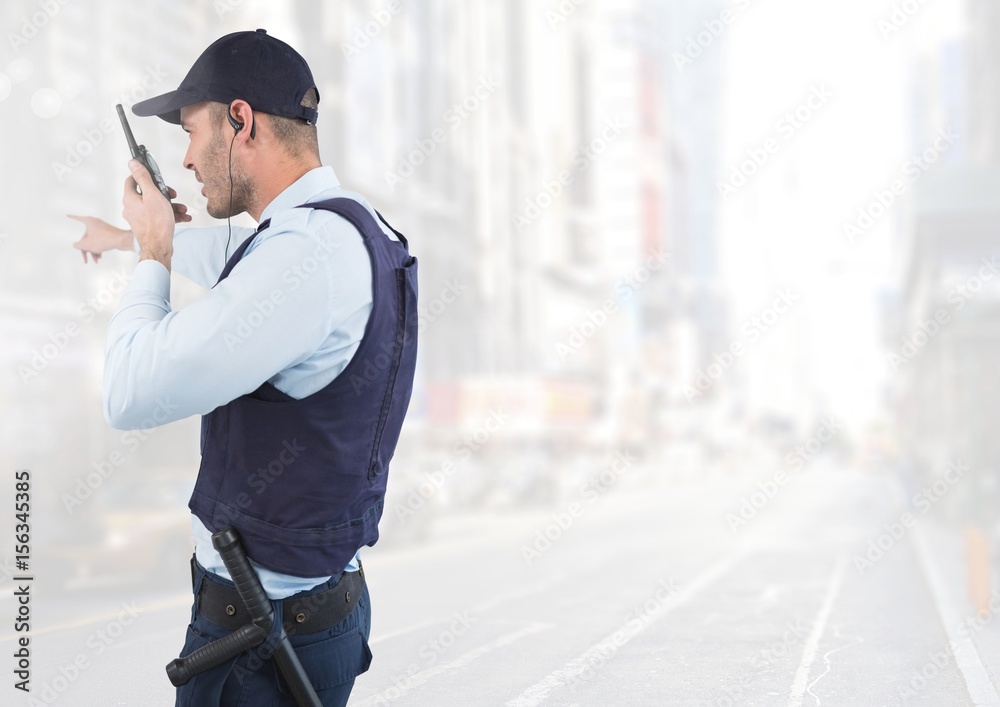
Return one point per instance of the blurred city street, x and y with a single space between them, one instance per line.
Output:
645 597
708 329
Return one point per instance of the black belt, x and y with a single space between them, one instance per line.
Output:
315 612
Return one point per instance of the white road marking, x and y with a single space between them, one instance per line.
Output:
800 683
402 632
974 671
403 686
186 600
601 651
150 639
537 588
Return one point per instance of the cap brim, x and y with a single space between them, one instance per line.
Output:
167 106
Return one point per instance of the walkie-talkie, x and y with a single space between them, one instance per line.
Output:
140 153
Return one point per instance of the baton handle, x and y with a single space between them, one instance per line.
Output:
227 543
181 670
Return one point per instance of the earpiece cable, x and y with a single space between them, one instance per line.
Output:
229 211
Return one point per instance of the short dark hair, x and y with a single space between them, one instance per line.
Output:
297 136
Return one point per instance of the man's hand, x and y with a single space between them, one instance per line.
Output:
99 237
149 214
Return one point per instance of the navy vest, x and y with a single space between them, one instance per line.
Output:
303 481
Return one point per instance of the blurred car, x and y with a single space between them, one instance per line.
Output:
136 528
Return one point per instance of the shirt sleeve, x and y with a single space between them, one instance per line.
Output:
267 315
200 254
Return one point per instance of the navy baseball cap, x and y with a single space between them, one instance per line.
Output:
252 66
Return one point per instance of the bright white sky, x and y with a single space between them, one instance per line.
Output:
785 227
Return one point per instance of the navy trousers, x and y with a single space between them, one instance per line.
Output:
332 658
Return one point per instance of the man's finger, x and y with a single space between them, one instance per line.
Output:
130 185
132 201
141 176
180 213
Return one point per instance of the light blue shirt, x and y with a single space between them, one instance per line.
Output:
162 365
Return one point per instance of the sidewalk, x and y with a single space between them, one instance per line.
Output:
975 642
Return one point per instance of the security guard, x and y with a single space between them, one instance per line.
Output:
299 359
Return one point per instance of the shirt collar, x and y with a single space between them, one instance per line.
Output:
304 189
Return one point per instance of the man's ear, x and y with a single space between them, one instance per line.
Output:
240 114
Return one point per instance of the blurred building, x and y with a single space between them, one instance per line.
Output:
68 157
944 339
982 83
687 312
563 217
523 147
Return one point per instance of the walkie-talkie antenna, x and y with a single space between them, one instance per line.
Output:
133 146
140 153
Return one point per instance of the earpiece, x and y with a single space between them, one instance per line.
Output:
237 125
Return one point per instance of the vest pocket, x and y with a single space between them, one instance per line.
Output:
405 339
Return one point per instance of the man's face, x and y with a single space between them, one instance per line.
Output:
208 156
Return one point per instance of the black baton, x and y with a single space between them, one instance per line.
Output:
181 670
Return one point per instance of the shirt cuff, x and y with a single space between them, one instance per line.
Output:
151 276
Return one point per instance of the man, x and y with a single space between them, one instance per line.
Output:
300 359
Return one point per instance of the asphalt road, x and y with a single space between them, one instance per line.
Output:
643 595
